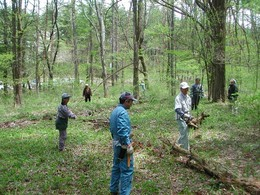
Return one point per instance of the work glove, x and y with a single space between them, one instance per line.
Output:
73 117
187 116
130 149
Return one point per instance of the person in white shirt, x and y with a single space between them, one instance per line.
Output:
182 109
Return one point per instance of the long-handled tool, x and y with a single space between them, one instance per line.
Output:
128 160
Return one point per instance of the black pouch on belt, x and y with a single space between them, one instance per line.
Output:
122 153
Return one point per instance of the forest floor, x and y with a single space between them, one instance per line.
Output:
30 162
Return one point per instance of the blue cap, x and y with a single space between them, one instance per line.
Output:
127 96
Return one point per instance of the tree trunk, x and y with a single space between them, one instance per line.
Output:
115 65
7 48
112 44
37 74
138 38
102 47
17 41
142 20
51 47
75 45
256 38
23 46
217 19
89 70
171 48
136 48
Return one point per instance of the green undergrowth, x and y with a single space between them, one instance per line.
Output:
30 162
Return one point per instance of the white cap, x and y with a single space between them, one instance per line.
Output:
184 85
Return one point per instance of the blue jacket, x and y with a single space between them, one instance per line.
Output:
120 126
196 90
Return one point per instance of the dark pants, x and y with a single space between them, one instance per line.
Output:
87 98
195 102
61 125
62 139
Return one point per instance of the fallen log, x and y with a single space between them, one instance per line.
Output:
215 170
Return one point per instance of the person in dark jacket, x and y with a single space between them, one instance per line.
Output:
196 93
61 122
87 93
232 91
232 96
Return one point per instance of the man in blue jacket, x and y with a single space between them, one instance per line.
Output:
123 165
196 93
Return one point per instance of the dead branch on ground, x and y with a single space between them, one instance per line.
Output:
195 122
215 170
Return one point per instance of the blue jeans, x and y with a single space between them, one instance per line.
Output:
121 175
184 134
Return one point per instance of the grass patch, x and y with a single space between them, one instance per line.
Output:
30 162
